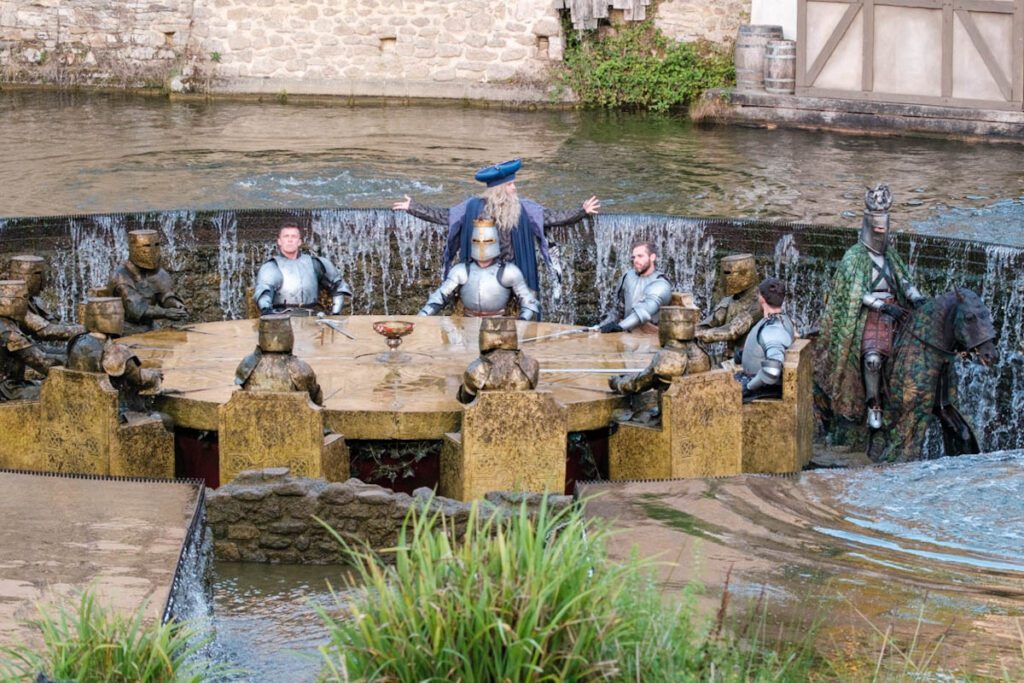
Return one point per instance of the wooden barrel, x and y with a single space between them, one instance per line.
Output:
751 40
780 67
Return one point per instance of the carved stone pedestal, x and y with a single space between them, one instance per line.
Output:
701 433
510 441
259 429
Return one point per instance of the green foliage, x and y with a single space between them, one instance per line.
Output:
525 598
90 644
215 57
641 67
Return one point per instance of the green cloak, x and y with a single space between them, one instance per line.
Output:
842 326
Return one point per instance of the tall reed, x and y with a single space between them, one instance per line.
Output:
524 598
89 643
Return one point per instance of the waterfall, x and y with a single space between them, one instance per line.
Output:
229 265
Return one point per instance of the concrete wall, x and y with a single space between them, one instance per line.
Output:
417 48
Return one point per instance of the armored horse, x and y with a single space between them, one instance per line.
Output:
921 382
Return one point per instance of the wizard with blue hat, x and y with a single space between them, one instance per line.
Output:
521 222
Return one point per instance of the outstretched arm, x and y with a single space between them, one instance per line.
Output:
554 218
431 214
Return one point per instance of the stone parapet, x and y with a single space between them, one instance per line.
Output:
269 516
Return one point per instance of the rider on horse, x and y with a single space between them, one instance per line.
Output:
871 293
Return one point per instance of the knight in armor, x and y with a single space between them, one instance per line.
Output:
486 283
521 222
17 352
501 365
764 351
738 310
641 293
871 293
291 279
145 289
98 351
39 323
272 367
679 355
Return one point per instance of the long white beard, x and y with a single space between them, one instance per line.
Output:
502 207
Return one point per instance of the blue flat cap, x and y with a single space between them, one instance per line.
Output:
499 174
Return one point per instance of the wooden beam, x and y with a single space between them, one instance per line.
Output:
801 43
990 6
867 56
986 53
833 40
947 50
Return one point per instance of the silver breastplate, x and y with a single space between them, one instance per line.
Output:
482 291
775 332
298 281
634 290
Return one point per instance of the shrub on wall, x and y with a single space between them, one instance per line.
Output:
639 66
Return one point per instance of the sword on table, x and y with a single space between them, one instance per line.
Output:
563 333
334 325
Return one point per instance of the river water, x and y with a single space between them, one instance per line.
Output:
91 153
950 527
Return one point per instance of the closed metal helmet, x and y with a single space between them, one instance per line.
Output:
484 245
104 314
739 273
31 269
677 323
874 228
498 333
13 299
144 248
276 334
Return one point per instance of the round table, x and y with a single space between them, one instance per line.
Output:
370 393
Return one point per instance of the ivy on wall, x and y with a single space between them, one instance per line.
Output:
640 67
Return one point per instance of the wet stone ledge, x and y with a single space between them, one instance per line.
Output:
269 516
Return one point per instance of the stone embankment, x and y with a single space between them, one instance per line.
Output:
417 48
269 516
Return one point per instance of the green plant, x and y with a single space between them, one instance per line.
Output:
641 67
215 57
524 598
91 643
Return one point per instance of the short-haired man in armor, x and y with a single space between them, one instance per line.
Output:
738 310
39 323
501 365
145 289
871 293
272 367
16 350
291 279
641 293
764 351
486 283
521 222
97 351
679 355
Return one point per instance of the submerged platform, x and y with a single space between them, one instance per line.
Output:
371 394
61 535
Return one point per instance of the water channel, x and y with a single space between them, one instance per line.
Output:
941 524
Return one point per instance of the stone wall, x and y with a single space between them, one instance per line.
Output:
268 516
415 48
690 20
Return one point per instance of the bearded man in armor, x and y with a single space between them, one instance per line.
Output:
871 293
39 323
679 355
501 365
272 367
16 350
737 311
764 351
145 289
641 293
521 222
486 283
97 351
291 280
